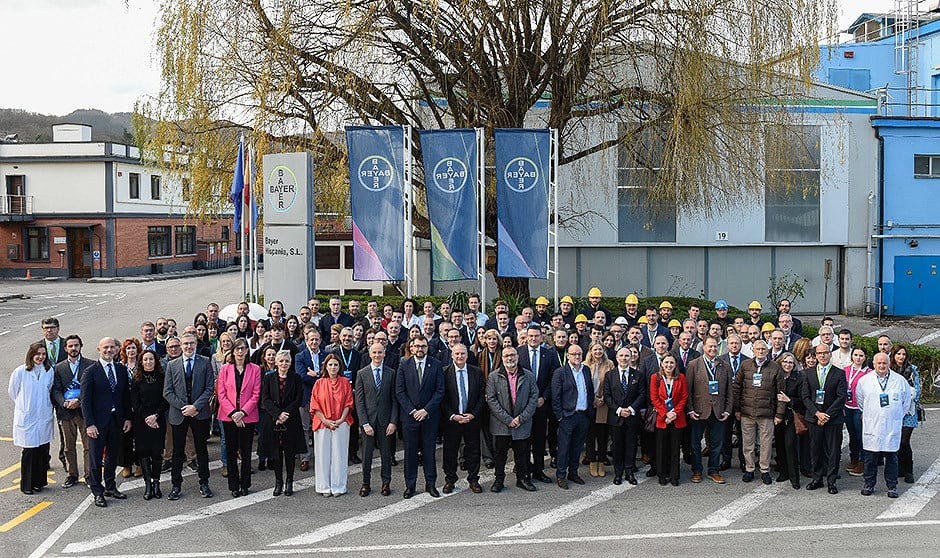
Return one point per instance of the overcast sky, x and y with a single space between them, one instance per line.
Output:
61 55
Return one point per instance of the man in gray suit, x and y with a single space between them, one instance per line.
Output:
65 391
189 384
512 395
378 412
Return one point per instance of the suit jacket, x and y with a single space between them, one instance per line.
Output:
98 399
565 391
302 362
273 403
174 388
413 395
60 384
650 366
326 322
354 357
836 388
503 411
60 354
636 395
248 398
791 339
547 364
160 348
700 400
726 359
476 389
677 352
660 330
287 345
376 408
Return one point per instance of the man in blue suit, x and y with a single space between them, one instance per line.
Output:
307 364
419 387
106 406
572 401
538 359
653 329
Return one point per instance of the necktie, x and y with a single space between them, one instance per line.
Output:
685 356
189 368
420 372
623 381
378 378
52 351
534 360
111 378
462 388
734 365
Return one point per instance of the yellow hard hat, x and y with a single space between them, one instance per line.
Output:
631 299
665 304
580 319
767 327
642 320
567 299
754 305
674 323
594 292
541 300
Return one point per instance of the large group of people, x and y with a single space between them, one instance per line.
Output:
559 389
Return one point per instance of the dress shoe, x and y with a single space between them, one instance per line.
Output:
138 472
224 472
748 476
868 490
174 493
651 472
365 490
100 501
526 485
193 466
631 478
696 477
497 486
541 476
126 472
304 465
783 477
448 488
386 489
717 478
618 479
262 466
858 470
893 492
663 482
584 461
430 489
394 461
116 494
409 492
646 459
69 482
244 491
674 482
795 484
237 493
553 463
909 478
278 489
475 487
814 485
148 491
289 488
354 459
157 493
562 483
575 479
765 478
724 466
28 491
205 491
833 489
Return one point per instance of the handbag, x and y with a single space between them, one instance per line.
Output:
650 421
921 413
799 424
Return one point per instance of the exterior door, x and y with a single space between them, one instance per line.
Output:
79 251
16 194
916 285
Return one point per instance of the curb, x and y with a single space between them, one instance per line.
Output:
164 276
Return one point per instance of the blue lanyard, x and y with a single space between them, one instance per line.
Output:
669 388
346 360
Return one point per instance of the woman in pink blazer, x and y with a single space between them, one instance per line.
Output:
239 389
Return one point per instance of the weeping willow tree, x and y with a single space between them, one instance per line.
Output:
687 88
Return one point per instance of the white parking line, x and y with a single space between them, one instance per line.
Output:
876 332
4 332
59 314
917 496
47 308
30 324
739 508
62 528
927 338
5 315
102 302
545 520
82 308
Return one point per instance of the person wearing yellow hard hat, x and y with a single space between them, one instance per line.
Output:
542 315
566 307
753 310
631 312
766 330
665 313
675 328
594 305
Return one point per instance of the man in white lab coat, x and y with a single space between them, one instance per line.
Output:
883 397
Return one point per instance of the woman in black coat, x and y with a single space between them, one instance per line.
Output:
149 408
281 394
785 437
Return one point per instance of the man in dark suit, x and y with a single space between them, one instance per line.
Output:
336 316
419 387
625 394
653 329
461 412
106 407
824 392
148 339
378 411
796 325
709 407
684 352
392 358
67 382
787 324
572 397
279 342
307 364
349 358
55 351
533 356
187 388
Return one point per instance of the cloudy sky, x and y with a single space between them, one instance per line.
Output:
61 55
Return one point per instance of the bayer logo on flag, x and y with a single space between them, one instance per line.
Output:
376 173
450 174
521 174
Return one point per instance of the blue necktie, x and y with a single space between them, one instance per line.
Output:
111 379
189 368
378 378
462 387
623 381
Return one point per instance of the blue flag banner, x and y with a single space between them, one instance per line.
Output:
376 175
523 164
450 178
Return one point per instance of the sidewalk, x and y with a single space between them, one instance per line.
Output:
166 276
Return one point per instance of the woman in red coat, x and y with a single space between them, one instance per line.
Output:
239 389
668 395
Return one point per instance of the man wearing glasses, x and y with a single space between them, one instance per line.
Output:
824 391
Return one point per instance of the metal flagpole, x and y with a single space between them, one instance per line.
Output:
481 200
409 204
246 223
553 230
241 228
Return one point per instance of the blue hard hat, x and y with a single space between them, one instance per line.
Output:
721 304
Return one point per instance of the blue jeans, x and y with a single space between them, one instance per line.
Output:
891 468
716 438
222 449
853 423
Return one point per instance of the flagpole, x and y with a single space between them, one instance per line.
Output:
241 230
247 222
481 227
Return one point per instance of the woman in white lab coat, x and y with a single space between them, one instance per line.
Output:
33 417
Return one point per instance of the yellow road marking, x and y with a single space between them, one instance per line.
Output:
5 439
24 516
9 470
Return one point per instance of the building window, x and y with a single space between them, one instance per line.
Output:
186 189
926 166
791 209
348 257
154 187
37 243
327 257
133 186
185 240
225 233
641 218
158 242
